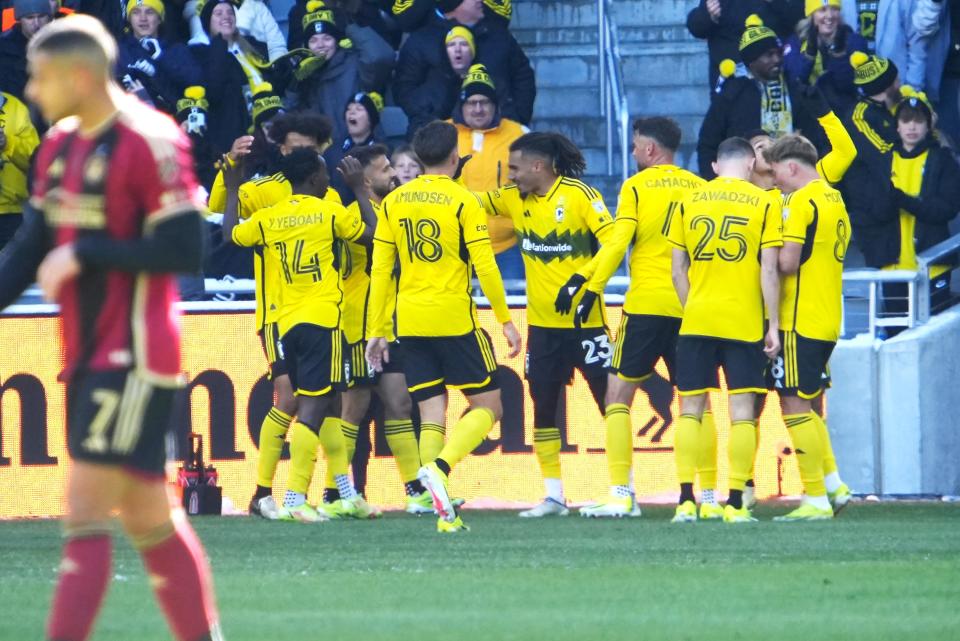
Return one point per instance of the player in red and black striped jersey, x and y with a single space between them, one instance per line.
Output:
114 216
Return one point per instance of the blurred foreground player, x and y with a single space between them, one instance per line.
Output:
107 243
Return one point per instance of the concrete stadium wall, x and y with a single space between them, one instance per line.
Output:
892 410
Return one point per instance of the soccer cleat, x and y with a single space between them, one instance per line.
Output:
265 507
435 481
710 512
750 497
733 515
304 513
334 509
548 507
616 507
806 512
635 513
420 504
358 508
686 513
840 498
448 527
457 503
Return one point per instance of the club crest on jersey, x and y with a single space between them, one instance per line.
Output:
558 212
96 168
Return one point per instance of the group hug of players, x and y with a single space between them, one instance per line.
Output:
740 274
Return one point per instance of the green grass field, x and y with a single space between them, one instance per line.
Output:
880 571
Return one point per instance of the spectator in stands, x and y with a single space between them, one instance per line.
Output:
931 23
18 140
410 15
950 82
361 117
407 164
820 53
866 186
346 70
191 115
919 59
162 69
862 16
418 87
31 15
925 181
485 136
233 65
720 23
113 14
762 98
461 51
254 21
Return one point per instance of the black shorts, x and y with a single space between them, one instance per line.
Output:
642 340
801 369
356 370
554 353
699 357
119 418
431 364
315 359
273 349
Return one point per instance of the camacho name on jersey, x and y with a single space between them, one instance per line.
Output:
559 234
723 226
300 235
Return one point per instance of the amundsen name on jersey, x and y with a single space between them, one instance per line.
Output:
425 198
729 196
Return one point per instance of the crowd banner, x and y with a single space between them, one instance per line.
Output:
228 395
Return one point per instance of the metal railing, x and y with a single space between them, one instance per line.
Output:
613 92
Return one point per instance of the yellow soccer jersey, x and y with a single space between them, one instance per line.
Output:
355 269
254 196
648 200
811 300
723 226
299 236
559 234
438 230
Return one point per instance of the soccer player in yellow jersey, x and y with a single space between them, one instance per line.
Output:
816 233
300 235
438 230
651 311
726 240
560 222
380 179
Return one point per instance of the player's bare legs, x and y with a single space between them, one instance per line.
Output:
273 434
402 439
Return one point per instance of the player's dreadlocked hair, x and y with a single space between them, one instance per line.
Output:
300 164
566 158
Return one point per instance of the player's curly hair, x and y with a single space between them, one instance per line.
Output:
566 158
300 164
312 125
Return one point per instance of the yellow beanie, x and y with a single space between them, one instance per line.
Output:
156 5
813 5
462 32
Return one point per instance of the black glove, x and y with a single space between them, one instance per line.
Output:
813 101
584 308
564 301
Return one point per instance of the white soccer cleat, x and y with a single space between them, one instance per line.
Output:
433 478
549 507
750 497
304 513
265 507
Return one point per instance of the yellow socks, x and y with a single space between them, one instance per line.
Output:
403 443
273 432
685 442
546 442
807 443
334 446
431 441
742 448
350 433
468 434
619 443
707 452
303 457
829 460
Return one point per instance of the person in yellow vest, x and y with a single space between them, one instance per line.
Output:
486 136
18 140
926 189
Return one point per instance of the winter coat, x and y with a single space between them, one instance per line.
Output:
22 141
164 76
13 62
423 58
723 37
939 199
254 21
836 81
329 89
735 111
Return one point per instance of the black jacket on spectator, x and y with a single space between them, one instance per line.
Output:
224 79
423 61
939 198
174 70
736 112
723 37
866 187
13 62
112 14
